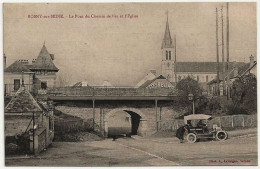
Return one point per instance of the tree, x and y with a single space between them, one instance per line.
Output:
188 86
244 95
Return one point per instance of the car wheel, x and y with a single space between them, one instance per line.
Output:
221 135
191 138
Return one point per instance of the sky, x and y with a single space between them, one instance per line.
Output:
124 50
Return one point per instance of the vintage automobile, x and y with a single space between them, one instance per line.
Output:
197 128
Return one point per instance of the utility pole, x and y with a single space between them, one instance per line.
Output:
222 25
227 68
227 38
33 134
223 56
175 61
217 51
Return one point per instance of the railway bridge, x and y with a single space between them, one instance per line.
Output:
146 108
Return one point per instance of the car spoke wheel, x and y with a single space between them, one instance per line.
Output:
191 138
221 135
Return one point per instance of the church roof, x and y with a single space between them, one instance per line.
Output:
17 67
167 40
202 67
22 102
44 61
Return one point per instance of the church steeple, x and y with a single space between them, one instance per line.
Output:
168 51
167 40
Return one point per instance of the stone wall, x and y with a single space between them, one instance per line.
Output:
145 109
225 122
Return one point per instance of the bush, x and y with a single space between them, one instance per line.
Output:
214 104
236 109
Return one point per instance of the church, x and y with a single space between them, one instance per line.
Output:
173 70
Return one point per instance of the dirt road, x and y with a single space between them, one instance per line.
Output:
145 152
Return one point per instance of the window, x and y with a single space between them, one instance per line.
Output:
207 78
44 85
170 57
166 55
16 84
168 77
198 78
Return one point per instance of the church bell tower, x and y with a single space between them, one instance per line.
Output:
168 55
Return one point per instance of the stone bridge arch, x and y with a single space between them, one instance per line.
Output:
142 128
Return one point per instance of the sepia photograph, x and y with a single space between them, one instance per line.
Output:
130 84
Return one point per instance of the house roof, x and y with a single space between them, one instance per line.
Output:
16 67
210 67
148 82
167 40
22 102
241 67
44 61
248 69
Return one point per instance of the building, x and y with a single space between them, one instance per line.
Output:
14 74
26 118
226 79
38 76
174 70
157 82
150 76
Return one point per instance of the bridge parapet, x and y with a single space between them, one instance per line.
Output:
111 91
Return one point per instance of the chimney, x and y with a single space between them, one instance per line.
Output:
24 61
33 61
252 60
153 72
235 69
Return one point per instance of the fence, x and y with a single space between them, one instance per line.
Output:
234 121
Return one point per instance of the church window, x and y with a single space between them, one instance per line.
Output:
170 55
166 55
207 78
198 78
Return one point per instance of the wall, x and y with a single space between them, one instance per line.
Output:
17 123
9 81
202 76
146 110
226 122
50 79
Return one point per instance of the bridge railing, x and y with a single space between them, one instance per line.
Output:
110 91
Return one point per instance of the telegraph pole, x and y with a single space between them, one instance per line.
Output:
222 25
175 61
223 56
217 51
227 38
227 68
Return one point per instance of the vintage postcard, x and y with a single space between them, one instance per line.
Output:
130 84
